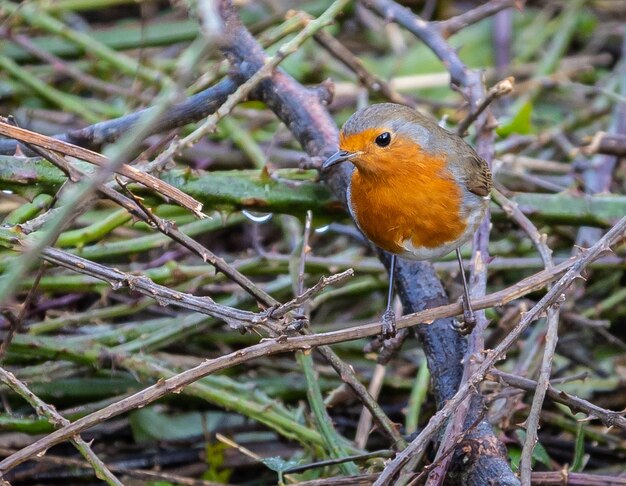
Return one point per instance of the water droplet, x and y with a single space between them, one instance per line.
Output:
322 229
257 217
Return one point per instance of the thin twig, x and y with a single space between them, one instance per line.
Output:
553 296
607 417
284 344
368 79
56 419
95 158
246 88
453 25
500 89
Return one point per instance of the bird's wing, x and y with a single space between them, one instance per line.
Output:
478 175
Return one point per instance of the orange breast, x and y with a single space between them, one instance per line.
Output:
403 194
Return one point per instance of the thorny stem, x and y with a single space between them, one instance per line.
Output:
269 347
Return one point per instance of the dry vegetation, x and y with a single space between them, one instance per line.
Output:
184 299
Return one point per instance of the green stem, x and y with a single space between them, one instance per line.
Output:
294 191
95 231
333 442
125 64
29 210
58 98
242 139
417 398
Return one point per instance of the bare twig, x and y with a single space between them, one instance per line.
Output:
606 143
56 419
453 25
371 81
607 417
307 294
251 83
283 344
118 279
532 422
552 297
500 89
95 158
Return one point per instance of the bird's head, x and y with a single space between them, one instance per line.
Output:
381 137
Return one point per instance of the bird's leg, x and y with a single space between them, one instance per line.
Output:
468 313
389 317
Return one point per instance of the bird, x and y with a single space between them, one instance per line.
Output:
417 190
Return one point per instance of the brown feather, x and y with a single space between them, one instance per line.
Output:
479 176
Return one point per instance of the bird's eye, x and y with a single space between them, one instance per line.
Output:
383 139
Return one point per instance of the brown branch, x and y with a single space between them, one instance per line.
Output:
306 295
606 143
237 319
282 344
57 420
95 158
194 108
498 90
54 460
543 382
368 79
607 417
454 24
554 296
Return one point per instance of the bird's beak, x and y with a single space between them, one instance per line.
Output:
338 158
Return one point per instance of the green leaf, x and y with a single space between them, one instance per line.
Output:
521 123
515 456
278 464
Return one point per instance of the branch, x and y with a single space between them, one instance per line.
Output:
56 419
192 109
532 421
554 296
126 170
268 347
500 89
454 24
606 143
237 319
371 81
607 417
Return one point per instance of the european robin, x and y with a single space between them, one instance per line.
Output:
417 190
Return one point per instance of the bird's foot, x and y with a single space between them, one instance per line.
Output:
466 326
388 322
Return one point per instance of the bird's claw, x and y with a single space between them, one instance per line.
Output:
388 322
466 326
